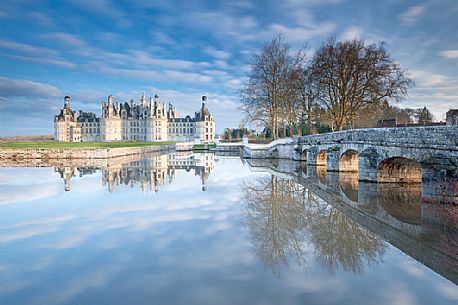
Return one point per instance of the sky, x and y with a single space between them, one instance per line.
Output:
182 50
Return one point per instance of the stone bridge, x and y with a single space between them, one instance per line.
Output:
427 155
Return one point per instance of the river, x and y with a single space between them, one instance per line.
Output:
189 228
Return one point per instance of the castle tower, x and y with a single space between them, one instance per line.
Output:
67 102
65 124
143 100
205 124
110 106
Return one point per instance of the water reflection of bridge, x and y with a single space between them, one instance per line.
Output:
394 212
148 172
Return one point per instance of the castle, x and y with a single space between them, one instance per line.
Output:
148 121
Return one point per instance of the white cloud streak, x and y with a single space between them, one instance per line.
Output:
412 14
449 54
20 87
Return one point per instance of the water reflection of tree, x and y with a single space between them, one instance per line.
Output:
281 216
274 216
340 241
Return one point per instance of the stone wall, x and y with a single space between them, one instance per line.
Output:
31 155
278 149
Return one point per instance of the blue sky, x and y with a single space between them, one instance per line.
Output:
183 49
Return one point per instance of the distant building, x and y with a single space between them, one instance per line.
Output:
388 123
149 121
385 123
452 117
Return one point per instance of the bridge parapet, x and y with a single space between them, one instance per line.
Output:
428 136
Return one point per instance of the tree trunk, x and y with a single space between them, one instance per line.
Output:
309 124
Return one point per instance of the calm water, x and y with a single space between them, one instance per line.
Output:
203 229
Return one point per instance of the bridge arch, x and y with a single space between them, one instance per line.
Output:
399 169
321 158
348 161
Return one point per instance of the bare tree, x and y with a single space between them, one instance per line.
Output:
351 75
266 92
306 92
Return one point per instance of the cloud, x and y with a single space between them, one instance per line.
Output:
30 53
64 38
411 15
223 25
302 33
428 79
142 58
162 38
101 7
40 18
450 54
19 87
353 32
165 75
218 54
26 48
38 60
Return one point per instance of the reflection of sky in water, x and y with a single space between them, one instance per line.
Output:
177 246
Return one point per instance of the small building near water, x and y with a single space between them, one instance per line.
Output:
452 117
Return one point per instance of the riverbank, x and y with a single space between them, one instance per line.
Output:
82 150
75 145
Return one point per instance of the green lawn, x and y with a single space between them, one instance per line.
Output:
75 145
202 146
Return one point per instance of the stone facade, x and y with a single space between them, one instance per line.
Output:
148 121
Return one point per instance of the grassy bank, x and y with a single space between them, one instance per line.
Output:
202 146
75 145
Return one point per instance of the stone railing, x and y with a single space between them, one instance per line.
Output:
430 136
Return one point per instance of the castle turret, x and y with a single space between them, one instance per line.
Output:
110 106
204 110
143 100
67 102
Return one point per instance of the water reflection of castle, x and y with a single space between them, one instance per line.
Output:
147 172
